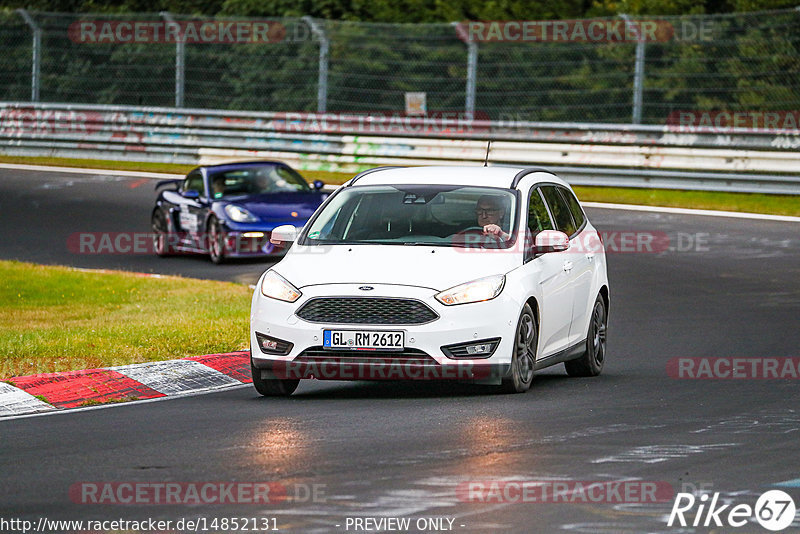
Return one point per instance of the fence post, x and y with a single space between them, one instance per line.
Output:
180 60
37 54
322 78
638 73
472 74
472 68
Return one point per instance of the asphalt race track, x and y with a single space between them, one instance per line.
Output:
44 215
374 450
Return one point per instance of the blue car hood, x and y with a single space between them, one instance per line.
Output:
279 206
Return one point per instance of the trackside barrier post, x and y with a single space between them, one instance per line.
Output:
472 71
37 53
638 74
322 77
472 74
180 61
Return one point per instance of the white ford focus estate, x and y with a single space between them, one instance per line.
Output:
479 274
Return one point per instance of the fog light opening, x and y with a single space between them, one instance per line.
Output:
273 345
482 348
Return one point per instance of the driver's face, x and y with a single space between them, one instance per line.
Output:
488 214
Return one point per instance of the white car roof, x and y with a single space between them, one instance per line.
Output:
451 175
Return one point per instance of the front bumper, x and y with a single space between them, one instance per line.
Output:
422 359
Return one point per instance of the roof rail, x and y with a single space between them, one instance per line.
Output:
368 171
523 173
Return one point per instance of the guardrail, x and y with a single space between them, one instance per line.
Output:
584 154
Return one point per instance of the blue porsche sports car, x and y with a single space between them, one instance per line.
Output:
229 210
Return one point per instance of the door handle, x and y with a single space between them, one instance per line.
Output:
567 265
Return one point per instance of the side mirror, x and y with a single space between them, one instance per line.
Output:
551 241
191 194
283 234
318 184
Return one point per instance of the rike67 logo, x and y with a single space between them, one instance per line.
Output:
774 510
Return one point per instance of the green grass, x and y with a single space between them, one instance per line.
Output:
745 202
59 319
710 200
172 168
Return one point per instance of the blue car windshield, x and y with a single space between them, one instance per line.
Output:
416 215
256 180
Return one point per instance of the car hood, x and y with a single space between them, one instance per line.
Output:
436 268
279 206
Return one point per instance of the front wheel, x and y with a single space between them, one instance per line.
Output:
272 387
591 363
524 356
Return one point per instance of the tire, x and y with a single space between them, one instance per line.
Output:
593 359
523 357
216 241
160 229
272 387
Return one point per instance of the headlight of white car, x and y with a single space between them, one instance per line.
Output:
277 287
475 291
239 214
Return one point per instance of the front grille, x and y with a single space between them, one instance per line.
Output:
321 355
366 310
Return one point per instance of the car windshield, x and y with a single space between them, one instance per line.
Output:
256 180
415 215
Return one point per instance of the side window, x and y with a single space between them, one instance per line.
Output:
574 206
559 209
194 181
538 218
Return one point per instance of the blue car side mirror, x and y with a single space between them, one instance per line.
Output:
318 184
191 194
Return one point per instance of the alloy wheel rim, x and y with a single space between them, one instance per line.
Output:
524 349
215 245
598 335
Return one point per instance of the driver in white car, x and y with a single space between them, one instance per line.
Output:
490 211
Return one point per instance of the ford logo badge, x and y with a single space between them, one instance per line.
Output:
366 288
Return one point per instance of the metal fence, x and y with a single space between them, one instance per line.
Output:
740 62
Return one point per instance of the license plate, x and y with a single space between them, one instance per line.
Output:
363 339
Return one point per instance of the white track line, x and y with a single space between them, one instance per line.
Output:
81 170
686 211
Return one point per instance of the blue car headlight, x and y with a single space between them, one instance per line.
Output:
239 214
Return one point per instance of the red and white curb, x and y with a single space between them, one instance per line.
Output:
49 392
